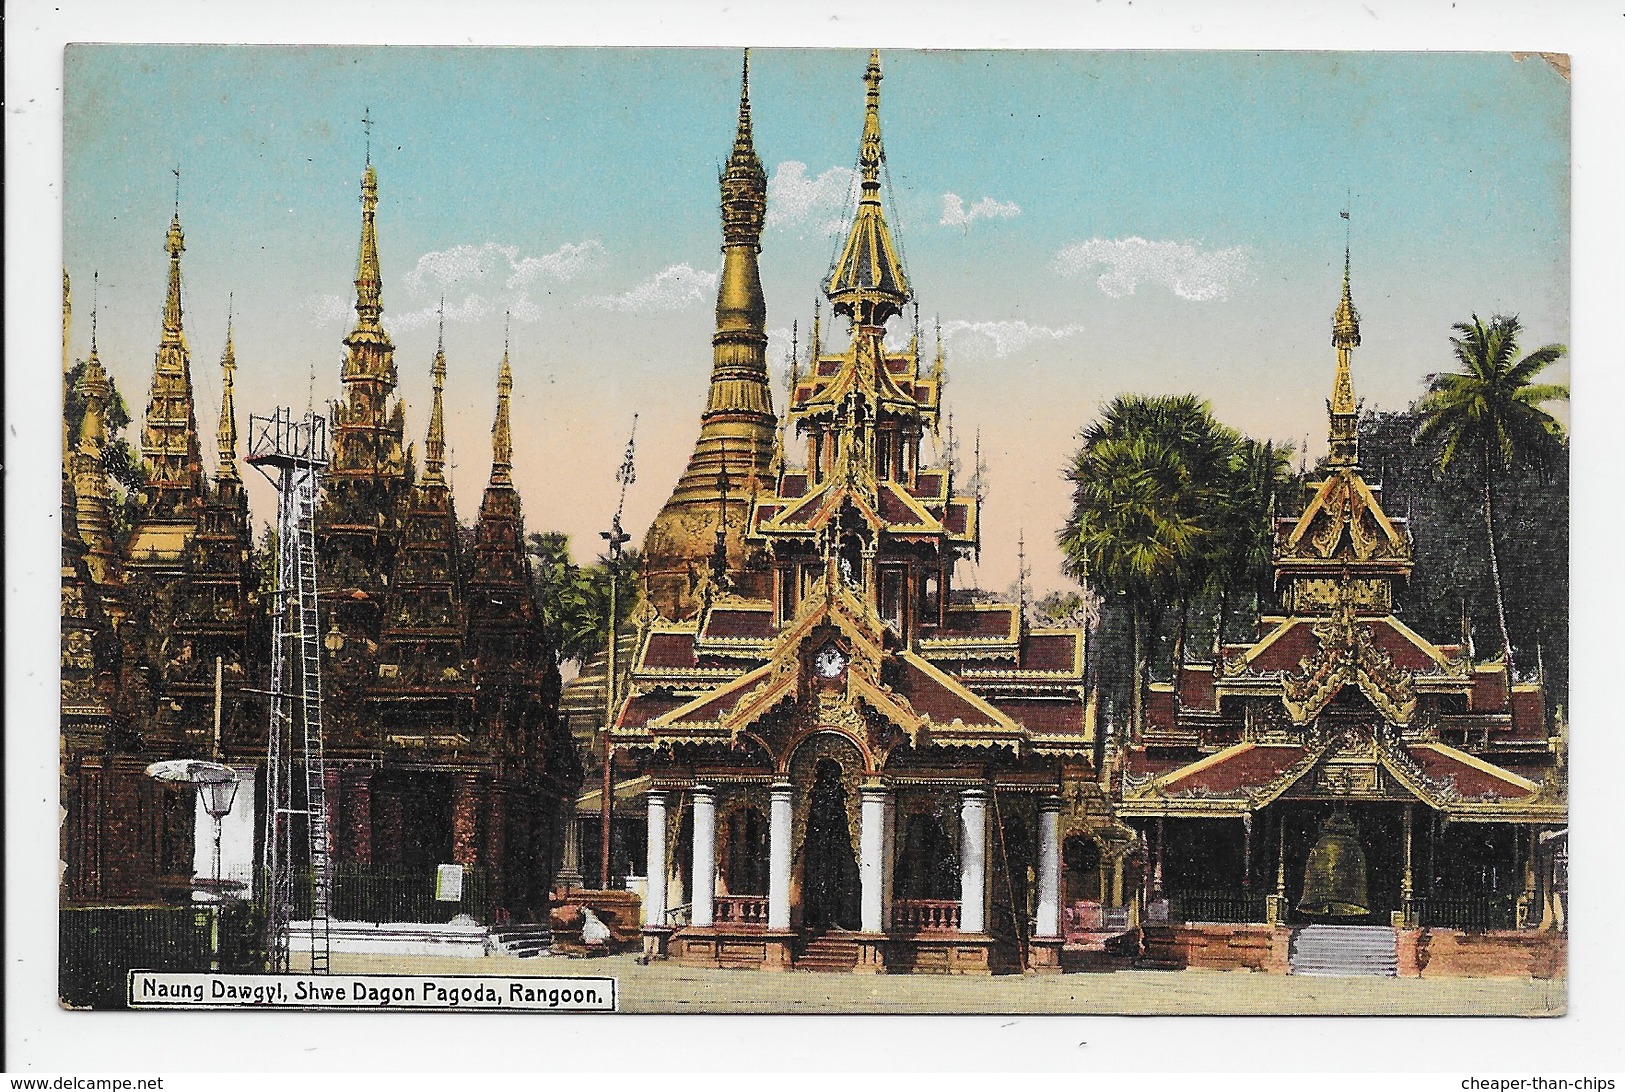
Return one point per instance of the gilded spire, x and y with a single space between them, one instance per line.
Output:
502 429
368 278
868 283
92 497
744 182
175 244
226 434
1342 408
739 402
434 446
169 438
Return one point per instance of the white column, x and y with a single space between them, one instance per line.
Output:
654 896
778 855
973 861
705 854
1049 867
872 844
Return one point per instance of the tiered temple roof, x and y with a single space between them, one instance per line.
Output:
1337 690
860 622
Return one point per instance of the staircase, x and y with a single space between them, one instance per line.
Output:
1343 950
523 941
829 952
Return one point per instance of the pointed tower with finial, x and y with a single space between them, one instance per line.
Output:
228 479
516 675
425 621
89 648
170 448
367 486
739 405
1342 408
92 491
1344 549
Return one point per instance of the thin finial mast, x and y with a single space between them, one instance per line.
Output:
441 342
231 312
366 124
627 474
176 171
95 296
507 323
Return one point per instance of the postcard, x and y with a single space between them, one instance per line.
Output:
814 530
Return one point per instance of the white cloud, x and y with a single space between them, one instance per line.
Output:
1002 337
564 264
459 265
795 200
325 309
672 289
1184 269
479 282
955 213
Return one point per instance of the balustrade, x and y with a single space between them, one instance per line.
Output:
748 910
925 915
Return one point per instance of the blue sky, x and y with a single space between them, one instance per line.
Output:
1083 224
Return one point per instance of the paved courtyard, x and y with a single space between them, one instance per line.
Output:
668 988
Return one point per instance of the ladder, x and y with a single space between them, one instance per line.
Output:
296 450
310 702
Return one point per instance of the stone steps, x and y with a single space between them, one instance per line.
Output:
523 941
829 952
1344 951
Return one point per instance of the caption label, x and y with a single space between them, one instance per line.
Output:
438 993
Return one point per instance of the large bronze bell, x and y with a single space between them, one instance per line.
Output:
1334 877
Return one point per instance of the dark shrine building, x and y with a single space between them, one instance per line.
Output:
155 623
847 763
1342 768
440 696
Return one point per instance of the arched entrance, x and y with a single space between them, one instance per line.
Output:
830 892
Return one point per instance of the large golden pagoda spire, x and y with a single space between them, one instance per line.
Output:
226 433
868 283
169 437
1342 408
739 404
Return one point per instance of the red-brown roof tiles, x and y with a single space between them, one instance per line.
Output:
1253 767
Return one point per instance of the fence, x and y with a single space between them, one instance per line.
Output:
380 893
1224 907
100 945
1471 913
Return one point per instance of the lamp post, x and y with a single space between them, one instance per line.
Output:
216 786
626 474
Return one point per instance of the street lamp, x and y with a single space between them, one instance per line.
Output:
216 786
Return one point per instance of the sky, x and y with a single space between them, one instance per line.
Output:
1081 224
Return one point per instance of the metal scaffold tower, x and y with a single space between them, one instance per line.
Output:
291 454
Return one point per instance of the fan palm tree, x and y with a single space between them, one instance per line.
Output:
1489 415
1137 519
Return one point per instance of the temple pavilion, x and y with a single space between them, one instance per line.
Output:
1343 768
848 762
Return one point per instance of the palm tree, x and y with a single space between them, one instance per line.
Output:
1490 415
1140 511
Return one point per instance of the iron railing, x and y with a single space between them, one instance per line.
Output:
1470 913
1223 907
381 893
101 945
